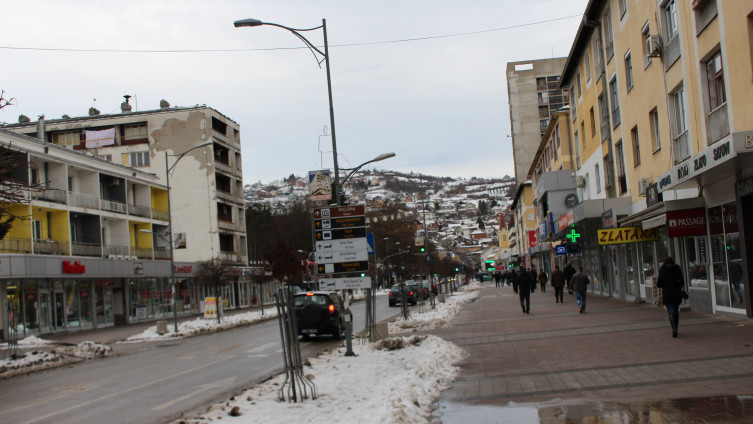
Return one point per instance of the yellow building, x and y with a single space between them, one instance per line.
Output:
662 122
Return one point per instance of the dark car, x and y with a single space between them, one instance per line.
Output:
422 293
319 312
396 295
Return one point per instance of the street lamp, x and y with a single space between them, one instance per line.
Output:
170 240
383 156
325 56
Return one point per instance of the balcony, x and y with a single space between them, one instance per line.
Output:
50 247
160 214
86 249
142 252
137 210
115 251
83 200
223 167
50 195
225 195
162 253
113 205
229 257
226 225
15 245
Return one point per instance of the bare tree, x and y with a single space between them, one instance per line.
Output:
214 274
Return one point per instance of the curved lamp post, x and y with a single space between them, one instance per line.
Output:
383 156
325 57
171 241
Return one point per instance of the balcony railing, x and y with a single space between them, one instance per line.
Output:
86 249
113 205
110 251
50 195
15 245
137 210
160 214
162 253
83 200
225 195
142 252
226 225
50 247
223 167
229 257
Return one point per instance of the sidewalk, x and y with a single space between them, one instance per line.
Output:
617 351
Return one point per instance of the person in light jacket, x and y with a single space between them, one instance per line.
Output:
671 282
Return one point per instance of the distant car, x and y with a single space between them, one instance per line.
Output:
422 293
396 295
319 312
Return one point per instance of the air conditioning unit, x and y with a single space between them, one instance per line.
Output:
580 181
112 257
653 46
642 186
120 257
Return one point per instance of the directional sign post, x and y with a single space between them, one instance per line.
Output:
345 283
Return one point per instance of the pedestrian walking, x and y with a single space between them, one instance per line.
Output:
542 280
671 283
558 283
514 278
533 274
525 282
497 278
579 283
569 272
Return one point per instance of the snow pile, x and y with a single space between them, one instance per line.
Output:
24 363
438 317
396 380
28 342
199 326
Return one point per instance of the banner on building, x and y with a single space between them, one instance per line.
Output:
626 235
101 138
689 222
533 238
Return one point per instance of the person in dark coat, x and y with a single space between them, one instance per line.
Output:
579 284
569 272
558 283
534 274
671 282
542 278
514 278
525 282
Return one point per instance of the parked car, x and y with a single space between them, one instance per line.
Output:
396 296
319 312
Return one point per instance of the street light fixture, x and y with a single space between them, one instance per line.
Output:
170 240
381 157
325 55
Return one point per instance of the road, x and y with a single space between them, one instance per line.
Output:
160 381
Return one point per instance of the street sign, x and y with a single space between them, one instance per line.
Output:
342 233
339 211
341 256
345 283
370 241
561 250
355 266
347 222
345 244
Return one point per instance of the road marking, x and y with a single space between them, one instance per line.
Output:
228 349
262 348
199 389
111 395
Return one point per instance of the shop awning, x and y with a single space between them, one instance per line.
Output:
654 222
656 215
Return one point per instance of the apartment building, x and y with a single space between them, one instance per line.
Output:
205 209
662 120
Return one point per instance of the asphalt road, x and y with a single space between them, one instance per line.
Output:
159 382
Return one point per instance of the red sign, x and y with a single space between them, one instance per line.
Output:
689 222
533 239
339 211
183 269
73 268
565 220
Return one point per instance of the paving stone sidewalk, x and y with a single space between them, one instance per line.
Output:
616 351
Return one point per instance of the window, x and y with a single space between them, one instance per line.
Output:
603 118
628 71
577 148
543 98
679 126
67 138
588 66
542 125
543 111
621 179
583 133
607 172
597 174
579 85
593 123
645 36
715 75
653 119
134 132
608 36
616 118
636 146
139 159
623 7
705 12
36 229
541 83
573 106
106 157
670 19
597 56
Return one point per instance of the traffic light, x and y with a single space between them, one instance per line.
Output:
363 274
457 269
423 249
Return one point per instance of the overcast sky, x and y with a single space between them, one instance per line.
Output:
422 78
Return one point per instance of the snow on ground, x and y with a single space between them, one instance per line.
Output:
397 379
201 325
26 362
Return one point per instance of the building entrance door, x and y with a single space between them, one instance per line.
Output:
45 313
58 313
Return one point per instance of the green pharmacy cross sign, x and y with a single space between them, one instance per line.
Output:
573 236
